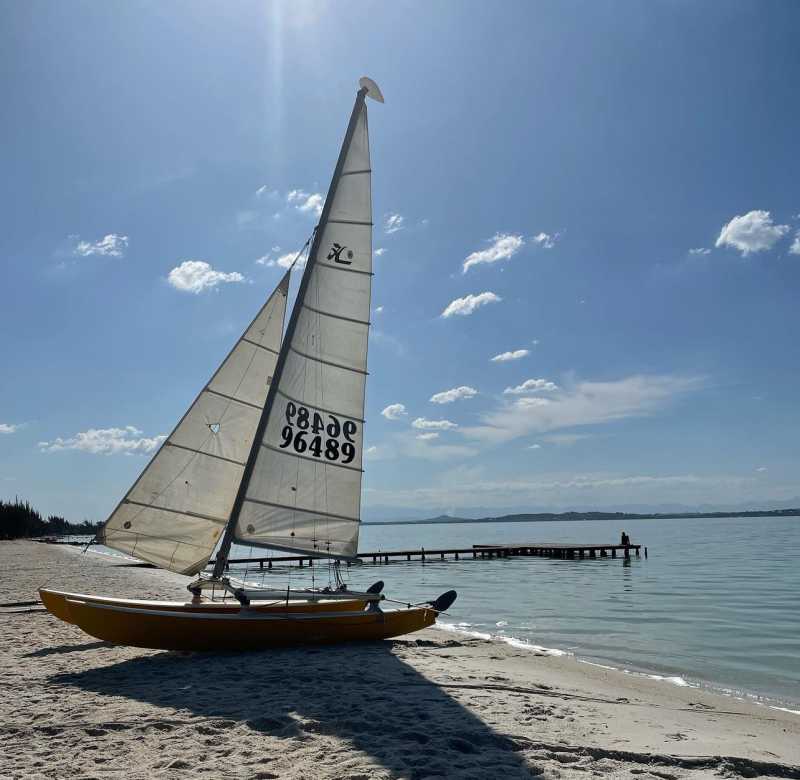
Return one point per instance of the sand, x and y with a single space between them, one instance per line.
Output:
433 704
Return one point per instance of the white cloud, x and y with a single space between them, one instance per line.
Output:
585 403
194 276
111 245
394 411
379 251
106 441
393 223
535 342
504 246
751 232
379 310
466 305
505 357
283 261
264 191
305 202
535 447
462 488
532 386
794 249
433 425
457 393
387 340
700 251
527 402
8 428
761 469
246 217
566 439
424 445
546 240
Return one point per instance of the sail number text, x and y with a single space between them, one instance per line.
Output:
307 432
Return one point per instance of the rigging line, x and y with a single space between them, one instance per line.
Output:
308 241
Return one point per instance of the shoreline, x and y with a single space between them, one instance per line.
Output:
434 703
679 680
758 698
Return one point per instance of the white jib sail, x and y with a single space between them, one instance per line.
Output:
177 509
304 493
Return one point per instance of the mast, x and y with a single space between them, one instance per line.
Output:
367 87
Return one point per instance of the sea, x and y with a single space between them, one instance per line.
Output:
716 603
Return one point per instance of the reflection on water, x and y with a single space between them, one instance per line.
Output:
716 601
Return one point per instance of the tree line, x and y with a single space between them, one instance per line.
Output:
19 520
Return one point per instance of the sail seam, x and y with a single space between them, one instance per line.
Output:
344 268
300 509
305 552
140 535
336 316
351 222
260 346
208 454
351 173
219 520
231 398
310 460
327 362
317 407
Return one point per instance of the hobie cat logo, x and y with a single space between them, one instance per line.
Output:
336 254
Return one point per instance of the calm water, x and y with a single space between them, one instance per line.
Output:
716 603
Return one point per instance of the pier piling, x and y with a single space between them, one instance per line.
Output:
561 550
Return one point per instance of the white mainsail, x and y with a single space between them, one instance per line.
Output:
177 509
303 490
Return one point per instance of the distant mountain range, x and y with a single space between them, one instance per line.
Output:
381 513
545 517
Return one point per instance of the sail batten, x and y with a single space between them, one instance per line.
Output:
301 490
175 512
293 508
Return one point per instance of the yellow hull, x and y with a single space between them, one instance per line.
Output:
56 603
245 629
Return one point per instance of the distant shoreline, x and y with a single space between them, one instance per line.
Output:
549 517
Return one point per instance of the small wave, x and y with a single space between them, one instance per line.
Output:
458 628
783 709
674 679
100 550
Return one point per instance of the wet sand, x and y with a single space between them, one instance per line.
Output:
433 704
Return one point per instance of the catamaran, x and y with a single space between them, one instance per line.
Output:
268 455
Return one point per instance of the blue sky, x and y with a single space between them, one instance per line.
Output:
615 182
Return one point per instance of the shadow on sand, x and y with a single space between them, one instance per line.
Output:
61 649
362 694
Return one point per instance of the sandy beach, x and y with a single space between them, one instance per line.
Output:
434 704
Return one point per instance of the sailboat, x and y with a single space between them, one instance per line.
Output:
268 455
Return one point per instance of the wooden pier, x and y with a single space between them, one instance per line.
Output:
566 550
